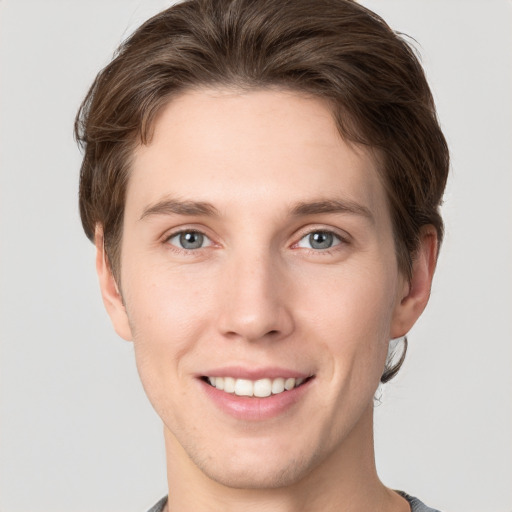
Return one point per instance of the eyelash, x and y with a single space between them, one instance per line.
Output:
339 239
183 250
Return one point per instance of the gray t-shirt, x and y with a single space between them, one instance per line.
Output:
159 506
415 503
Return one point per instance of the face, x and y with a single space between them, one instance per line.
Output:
259 284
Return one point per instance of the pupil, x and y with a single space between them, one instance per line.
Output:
321 240
191 240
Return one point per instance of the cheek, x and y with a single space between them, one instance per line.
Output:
350 312
167 315
359 296
163 305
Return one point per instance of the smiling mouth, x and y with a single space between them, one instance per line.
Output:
261 388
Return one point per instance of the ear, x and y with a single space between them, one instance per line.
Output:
110 293
416 292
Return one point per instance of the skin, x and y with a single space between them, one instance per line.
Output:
258 294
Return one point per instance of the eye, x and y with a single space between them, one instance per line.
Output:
189 240
319 240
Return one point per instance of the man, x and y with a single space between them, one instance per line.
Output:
262 181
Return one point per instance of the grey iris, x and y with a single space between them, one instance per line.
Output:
191 240
321 240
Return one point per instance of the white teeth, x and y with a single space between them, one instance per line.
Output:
260 388
277 386
244 387
263 388
229 384
289 384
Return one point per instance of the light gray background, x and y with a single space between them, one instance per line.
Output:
76 431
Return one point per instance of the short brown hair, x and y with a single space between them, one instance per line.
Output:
334 49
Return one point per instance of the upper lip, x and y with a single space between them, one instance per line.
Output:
239 372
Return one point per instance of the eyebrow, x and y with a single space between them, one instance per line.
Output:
177 207
200 208
332 206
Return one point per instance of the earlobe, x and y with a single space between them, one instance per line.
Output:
110 292
417 291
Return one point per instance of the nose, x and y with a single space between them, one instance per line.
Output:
256 300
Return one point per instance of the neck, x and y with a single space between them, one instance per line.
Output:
346 480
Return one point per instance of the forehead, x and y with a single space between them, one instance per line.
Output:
268 144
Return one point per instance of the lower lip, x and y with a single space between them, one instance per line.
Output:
254 408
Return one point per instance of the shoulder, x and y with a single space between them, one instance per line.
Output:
416 504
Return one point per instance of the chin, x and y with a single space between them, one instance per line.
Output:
239 474
271 463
